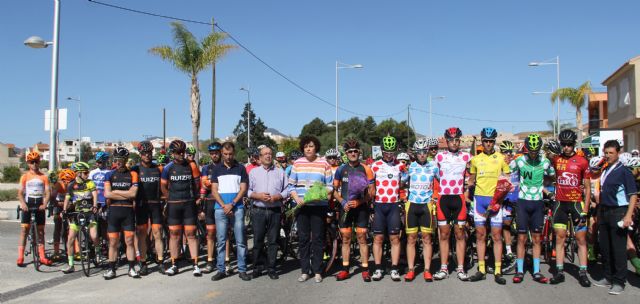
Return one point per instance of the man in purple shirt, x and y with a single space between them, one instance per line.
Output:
267 189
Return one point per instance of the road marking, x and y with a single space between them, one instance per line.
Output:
27 290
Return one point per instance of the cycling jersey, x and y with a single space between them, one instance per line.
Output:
532 172
570 172
121 180
421 179
80 194
388 176
341 179
487 169
98 177
183 181
34 185
452 166
149 187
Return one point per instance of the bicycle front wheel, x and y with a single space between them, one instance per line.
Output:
33 232
84 242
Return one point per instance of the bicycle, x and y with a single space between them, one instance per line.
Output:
32 236
83 219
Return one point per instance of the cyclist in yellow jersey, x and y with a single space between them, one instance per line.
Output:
485 170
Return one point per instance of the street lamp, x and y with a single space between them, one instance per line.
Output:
79 127
557 64
431 98
556 125
248 116
37 42
340 65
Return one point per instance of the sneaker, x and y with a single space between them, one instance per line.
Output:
518 278
441 274
557 278
56 257
110 274
427 276
196 271
20 262
134 273
318 278
616 289
219 276
244 276
602 283
227 268
395 275
342 275
209 268
540 278
173 270
462 276
378 275
511 266
273 275
144 269
161 269
583 279
68 269
478 276
303 277
366 276
499 279
409 276
490 269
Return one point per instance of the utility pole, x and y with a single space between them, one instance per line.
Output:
213 92
164 129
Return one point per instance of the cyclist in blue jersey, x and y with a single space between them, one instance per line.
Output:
98 176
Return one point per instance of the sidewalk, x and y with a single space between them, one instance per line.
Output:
8 210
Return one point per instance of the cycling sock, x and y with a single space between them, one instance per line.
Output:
112 266
56 247
345 265
458 269
498 266
583 267
377 267
536 265
508 247
173 261
41 252
70 259
20 251
520 263
195 261
365 265
481 267
394 267
560 267
132 264
444 267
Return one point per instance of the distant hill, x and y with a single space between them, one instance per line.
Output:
275 132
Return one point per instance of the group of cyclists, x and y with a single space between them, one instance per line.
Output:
425 193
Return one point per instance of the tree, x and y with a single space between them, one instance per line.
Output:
288 144
191 57
576 97
400 130
552 124
257 132
316 127
11 174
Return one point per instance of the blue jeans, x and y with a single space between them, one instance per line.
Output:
222 221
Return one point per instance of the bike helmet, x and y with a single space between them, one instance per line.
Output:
421 144
214 146
591 151
596 163
432 141
403 156
80 167
145 147
191 150
332 153
488 133
295 154
161 158
53 177
351 143
389 143
253 152
177 146
567 136
102 156
33 157
506 146
533 142
453 132
634 151
120 152
66 175
633 162
624 157
280 154
554 147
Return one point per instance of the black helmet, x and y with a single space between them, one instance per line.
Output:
554 147
121 152
453 132
145 146
177 146
488 133
214 146
351 143
567 135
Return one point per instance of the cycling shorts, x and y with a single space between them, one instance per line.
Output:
530 216
142 214
386 218
507 210
181 214
418 216
155 213
358 215
561 212
25 216
120 218
73 222
451 208
209 212
480 207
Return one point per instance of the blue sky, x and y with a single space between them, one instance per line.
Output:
473 52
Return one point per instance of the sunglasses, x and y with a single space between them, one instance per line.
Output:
433 148
33 162
488 141
353 151
567 144
332 157
421 152
453 139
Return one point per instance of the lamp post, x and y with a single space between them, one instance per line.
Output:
79 126
248 116
557 64
38 43
431 98
340 65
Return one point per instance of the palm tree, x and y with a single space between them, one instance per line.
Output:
192 57
576 97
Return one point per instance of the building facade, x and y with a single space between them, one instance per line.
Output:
623 108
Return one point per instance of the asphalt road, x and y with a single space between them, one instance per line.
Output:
24 285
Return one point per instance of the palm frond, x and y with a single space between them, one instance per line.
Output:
188 48
214 48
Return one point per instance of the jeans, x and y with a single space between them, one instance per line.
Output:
266 222
311 221
613 243
236 218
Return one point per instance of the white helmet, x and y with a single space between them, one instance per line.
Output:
624 157
432 141
632 162
332 152
420 144
403 156
280 154
596 163
635 151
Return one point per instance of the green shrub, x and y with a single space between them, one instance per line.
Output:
8 195
11 174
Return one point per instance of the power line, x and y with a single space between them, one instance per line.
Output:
479 119
270 67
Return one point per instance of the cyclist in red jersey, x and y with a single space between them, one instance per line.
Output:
572 177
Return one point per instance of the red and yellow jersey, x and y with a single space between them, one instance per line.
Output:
34 184
570 171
